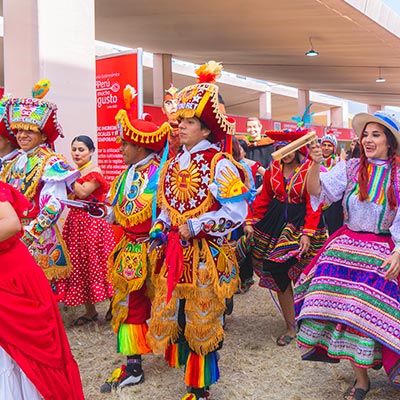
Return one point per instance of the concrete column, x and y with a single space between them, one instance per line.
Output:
54 40
265 105
162 76
336 116
372 108
303 100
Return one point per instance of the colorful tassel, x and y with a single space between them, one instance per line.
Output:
201 371
129 95
40 89
132 339
209 72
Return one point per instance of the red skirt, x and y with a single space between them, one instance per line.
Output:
31 329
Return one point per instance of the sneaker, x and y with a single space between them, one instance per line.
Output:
197 394
122 377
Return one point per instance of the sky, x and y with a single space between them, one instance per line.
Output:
393 4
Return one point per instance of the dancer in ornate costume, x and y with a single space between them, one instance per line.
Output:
169 108
90 240
35 358
287 233
43 177
202 199
347 300
132 196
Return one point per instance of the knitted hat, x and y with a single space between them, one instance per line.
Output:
201 101
35 114
331 139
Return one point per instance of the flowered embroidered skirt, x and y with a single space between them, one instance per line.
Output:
275 252
346 309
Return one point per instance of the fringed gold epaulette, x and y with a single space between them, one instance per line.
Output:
132 134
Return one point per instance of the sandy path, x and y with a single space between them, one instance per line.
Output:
251 365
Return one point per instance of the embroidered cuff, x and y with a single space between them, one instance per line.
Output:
27 239
191 228
396 249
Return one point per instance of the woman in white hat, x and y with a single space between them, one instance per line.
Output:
347 300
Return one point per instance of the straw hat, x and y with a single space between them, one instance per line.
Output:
389 121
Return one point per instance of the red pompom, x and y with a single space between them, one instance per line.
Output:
147 117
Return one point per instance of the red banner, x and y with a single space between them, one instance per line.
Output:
268 124
113 73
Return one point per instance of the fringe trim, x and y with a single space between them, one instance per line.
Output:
121 286
201 370
226 263
204 339
176 217
211 95
130 220
142 138
176 354
25 126
34 175
164 328
132 339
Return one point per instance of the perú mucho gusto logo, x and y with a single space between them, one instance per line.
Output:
106 92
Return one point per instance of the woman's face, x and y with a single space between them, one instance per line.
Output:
242 153
374 141
80 153
290 158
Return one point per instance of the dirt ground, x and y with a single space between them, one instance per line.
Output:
252 366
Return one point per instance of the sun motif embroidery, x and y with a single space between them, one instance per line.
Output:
231 185
185 183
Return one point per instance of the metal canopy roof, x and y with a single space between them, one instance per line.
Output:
267 39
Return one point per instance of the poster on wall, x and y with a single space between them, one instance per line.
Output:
113 73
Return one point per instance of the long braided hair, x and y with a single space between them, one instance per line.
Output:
363 177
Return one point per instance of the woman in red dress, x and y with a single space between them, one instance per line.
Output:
35 358
89 240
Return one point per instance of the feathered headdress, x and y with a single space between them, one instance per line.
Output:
201 101
35 114
305 120
139 131
209 72
40 89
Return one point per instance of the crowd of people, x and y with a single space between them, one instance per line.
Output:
203 212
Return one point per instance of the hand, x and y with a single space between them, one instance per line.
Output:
184 232
316 152
343 155
392 266
304 244
248 231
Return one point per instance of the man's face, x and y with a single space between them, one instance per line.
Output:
254 129
28 139
327 149
191 132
